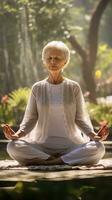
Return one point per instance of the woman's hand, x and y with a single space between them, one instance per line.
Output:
103 132
101 135
10 134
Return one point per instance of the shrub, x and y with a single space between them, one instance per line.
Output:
99 113
12 110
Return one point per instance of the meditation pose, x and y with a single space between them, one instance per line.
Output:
56 128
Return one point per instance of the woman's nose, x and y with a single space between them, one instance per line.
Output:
52 60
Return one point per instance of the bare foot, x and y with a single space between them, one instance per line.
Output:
52 160
56 161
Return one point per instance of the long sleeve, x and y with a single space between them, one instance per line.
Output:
31 115
82 118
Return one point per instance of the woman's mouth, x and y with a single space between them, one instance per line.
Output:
54 67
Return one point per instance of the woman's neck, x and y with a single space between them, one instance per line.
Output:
55 78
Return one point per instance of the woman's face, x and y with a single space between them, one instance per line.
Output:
54 59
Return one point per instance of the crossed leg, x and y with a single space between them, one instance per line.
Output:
30 154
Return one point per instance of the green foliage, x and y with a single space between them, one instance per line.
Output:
27 25
17 103
7 7
50 18
18 98
99 113
103 64
78 192
104 59
106 30
12 111
46 190
98 188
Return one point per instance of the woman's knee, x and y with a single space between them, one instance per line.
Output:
13 147
98 153
100 149
100 146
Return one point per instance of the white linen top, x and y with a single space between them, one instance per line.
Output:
55 115
57 130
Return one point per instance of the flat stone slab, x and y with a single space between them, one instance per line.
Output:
12 171
12 164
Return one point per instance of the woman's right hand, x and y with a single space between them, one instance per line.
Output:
9 133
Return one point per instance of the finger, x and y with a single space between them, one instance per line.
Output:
104 131
15 137
10 133
6 125
104 137
6 132
10 130
103 134
97 138
5 129
6 135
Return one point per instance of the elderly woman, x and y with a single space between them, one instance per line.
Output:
56 128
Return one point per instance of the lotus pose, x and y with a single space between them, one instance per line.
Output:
56 128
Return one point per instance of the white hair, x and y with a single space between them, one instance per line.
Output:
57 45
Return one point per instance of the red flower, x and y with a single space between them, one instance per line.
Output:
4 99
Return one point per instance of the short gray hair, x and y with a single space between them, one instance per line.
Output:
57 45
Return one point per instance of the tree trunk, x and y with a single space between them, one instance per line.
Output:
89 81
89 55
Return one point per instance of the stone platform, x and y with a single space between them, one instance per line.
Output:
12 171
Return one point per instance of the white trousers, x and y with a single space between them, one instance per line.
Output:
88 153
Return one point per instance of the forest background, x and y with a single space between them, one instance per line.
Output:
27 25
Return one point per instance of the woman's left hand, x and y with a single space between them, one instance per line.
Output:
101 135
103 132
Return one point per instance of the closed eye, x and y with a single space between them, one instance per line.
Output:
54 58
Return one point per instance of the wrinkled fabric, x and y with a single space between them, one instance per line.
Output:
56 122
88 153
35 121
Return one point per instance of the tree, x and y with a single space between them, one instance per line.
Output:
89 54
25 27
106 31
8 38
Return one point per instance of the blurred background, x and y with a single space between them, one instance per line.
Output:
27 25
